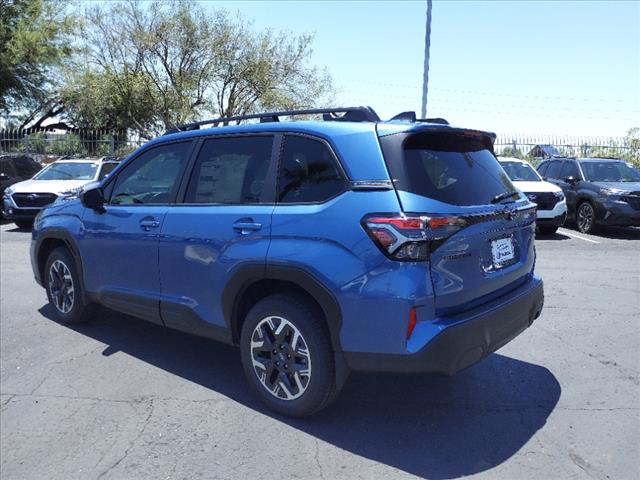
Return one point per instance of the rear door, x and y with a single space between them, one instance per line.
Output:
223 223
482 237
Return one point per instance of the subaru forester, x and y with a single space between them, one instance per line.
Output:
317 246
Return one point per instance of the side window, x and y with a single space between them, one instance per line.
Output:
231 170
152 177
308 172
554 170
570 169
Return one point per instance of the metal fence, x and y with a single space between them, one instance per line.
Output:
97 143
522 146
81 142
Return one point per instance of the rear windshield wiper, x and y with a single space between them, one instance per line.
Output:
504 196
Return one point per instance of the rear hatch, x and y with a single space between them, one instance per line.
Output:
480 228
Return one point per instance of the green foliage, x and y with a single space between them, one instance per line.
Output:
38 142
70 144
151 66
510 152
34 40
108 100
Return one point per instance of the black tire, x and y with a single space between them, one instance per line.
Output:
320 387
586 218
57 286
24 224
548 229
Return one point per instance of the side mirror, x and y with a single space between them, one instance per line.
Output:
93 199
571 180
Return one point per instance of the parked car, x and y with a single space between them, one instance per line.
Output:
599 191
318 247
23 200
552 207
16 168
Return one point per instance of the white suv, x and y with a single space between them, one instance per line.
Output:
552 206
22 201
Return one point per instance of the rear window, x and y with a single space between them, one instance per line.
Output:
452 168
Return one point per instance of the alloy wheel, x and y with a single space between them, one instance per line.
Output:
585 217
280 358
61 286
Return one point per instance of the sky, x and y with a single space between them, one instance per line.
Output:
525 67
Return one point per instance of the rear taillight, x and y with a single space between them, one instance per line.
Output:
406 237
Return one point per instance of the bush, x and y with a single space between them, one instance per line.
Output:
70 144
38 142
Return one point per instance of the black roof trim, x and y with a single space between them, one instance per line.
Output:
349 114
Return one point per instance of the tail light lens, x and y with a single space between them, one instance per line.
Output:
406 237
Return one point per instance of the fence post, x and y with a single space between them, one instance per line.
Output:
515 147
112 146
25 141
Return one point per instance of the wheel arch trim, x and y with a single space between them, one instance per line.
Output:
249 274
63 235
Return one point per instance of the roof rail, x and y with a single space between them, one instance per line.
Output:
411 117
349 114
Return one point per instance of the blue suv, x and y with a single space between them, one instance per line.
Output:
319 247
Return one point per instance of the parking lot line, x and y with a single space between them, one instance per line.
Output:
570 234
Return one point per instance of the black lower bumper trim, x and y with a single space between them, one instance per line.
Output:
462 345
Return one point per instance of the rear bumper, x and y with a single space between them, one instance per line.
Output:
469 337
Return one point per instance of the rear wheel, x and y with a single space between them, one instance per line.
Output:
586 218
287 355
64 290
24 224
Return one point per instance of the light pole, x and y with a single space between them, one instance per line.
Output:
425 77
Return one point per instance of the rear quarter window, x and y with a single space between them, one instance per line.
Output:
308 172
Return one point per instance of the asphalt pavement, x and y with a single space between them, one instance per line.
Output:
119 398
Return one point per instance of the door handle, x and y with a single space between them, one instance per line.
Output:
147 225
246 227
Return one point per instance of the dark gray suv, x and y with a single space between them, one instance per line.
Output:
599 191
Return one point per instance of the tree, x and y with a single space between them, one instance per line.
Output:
108 101
34 41
151 67
632 142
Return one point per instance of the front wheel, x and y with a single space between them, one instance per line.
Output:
64 290
586 218
287 355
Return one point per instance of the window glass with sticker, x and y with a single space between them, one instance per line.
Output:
231 170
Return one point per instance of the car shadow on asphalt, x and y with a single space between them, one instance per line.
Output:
427 425
552 236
